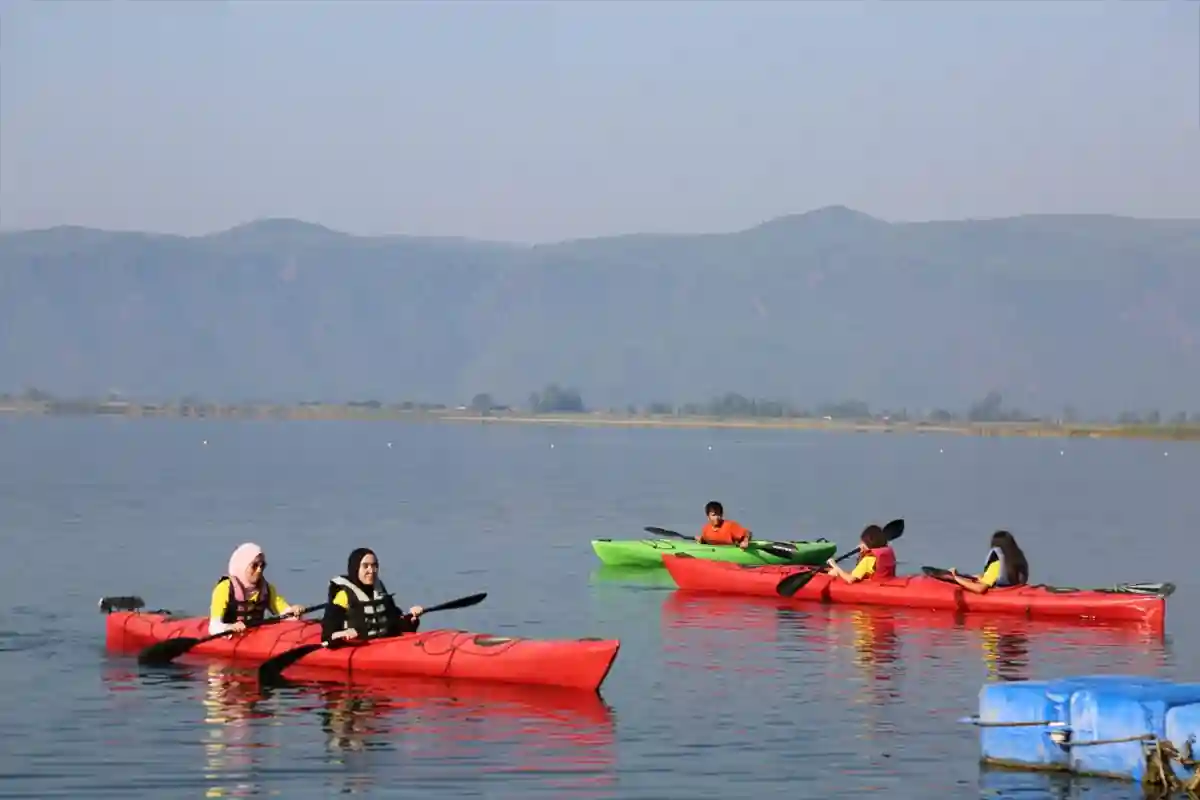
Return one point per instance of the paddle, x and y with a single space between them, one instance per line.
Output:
169 649
666 532
1161 589
271 670
780 549
942 574
798 580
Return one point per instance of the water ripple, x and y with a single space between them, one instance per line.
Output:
710 698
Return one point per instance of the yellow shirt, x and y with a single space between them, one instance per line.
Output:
220 599
864 568
991 574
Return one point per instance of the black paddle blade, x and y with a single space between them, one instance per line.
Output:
167 650
1161 589
121 603
795 582
271 671
461 602
894 529
664 532
938 573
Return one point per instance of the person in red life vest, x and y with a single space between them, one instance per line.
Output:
721 531
876 559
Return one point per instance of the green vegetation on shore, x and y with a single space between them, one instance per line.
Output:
651 416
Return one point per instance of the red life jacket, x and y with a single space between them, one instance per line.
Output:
885 563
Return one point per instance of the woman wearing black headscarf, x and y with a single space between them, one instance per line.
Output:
360 606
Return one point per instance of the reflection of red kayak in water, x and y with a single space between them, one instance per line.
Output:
881 635
565 736
469 697
719 633
233 735
723 611
920 591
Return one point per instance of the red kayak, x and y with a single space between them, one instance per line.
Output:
921 591
570 663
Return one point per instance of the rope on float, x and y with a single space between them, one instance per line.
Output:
1159 753
982 723
1159 773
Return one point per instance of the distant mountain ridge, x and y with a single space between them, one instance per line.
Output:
1096 311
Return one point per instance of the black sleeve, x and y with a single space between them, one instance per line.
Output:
333 621
403 624
399 623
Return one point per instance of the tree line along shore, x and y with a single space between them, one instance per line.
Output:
1177 429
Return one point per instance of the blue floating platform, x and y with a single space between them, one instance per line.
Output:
1119 726
1020 716
1123 718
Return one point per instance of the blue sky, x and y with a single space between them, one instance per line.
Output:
545 121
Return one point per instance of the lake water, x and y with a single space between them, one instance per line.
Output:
709 698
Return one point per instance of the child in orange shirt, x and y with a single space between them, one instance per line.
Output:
721 531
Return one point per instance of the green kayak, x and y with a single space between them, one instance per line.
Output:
648 552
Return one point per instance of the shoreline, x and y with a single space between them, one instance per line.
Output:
1022 429
368 413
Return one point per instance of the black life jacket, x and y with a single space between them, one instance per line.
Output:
371 614
247 611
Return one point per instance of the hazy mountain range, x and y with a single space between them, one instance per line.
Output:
1096 311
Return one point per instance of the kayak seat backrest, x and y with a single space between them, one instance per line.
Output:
121 603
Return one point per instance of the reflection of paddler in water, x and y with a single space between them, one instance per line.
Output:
876 652
347 717
1005 655
352 721
230 705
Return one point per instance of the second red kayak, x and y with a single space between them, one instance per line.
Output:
570 663
921 591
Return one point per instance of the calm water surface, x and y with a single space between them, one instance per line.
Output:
709 698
